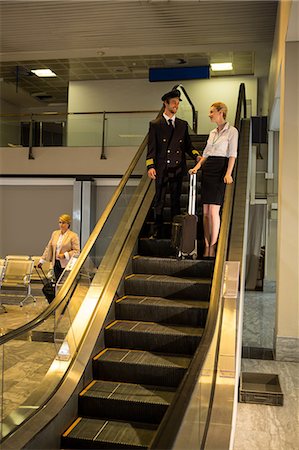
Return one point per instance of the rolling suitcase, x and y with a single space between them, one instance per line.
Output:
49 287
184 227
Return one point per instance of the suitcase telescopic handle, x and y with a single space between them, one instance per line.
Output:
192 194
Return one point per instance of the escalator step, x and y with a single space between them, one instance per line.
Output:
168 286
162 310
155 247
125 401
167 210
108 434
135 366
151 336
161 248
171 266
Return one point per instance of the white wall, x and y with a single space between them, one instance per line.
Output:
136 95
68 161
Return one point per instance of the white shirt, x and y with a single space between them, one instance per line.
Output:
224 143
167 118
58 246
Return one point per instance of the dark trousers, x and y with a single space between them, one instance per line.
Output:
57 269
173 183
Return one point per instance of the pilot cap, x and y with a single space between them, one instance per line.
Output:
175 93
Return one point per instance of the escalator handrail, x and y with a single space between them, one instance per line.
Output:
83 255
194 116
241 102
172 419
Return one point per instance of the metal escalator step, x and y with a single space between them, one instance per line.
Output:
108 434
157 247
168 286
162 310
166 213
171 266
151 336
163 248
125 401
137 366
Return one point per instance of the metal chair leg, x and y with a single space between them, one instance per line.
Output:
29 295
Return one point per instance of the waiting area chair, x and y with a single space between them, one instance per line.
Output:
17 275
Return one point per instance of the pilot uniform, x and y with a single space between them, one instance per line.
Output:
167 146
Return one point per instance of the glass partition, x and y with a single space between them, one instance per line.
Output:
126 129
10 135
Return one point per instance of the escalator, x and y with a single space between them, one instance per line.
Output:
159 322
130 353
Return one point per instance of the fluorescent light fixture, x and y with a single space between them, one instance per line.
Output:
43 73
221 66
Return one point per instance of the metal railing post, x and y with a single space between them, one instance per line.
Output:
103 156
30 153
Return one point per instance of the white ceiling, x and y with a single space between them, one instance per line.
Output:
88 40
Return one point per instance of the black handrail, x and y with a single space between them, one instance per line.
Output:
168 429
241 102
194 115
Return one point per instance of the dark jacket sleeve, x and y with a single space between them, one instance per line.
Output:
151 148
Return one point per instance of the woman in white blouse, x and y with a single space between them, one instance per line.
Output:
217 164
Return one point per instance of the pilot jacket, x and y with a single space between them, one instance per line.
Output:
167 148
69 244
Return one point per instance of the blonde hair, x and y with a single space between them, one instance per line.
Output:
65 218
220 107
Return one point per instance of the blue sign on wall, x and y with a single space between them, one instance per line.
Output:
179 73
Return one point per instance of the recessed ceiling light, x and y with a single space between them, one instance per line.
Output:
43 73
221 66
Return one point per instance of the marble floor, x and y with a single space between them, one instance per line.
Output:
259 317
263 427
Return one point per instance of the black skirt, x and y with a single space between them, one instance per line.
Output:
212 184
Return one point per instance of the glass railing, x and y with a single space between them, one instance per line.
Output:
85 129
96 129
